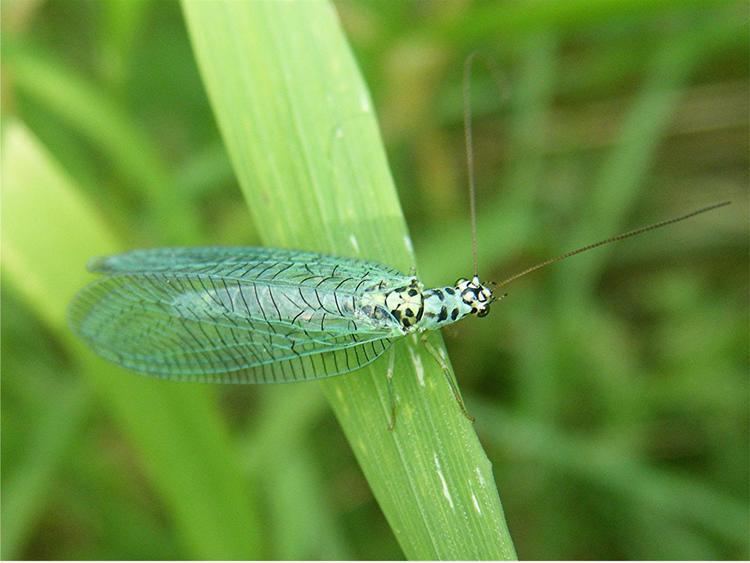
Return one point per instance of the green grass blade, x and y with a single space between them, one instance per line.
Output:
94 115
48 233
681 498
297 493
300 130
623 174
26 483
568 16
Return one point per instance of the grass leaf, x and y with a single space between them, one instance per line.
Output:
27 484
95 116
299 127
176 428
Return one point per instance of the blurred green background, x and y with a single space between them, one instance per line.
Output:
611 391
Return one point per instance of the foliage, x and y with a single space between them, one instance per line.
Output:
611 391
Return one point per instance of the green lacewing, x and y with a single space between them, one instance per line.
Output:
264 315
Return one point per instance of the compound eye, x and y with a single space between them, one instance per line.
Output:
484 312
469 296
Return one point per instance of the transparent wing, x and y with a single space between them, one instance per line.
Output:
233 315
244 261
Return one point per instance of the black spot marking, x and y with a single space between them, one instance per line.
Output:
420 312
443 314
397 314
454 314
409 313
450 291
399 290
413 292
406 323
439 294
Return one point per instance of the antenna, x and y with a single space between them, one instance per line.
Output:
470 156
469 140
612 239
